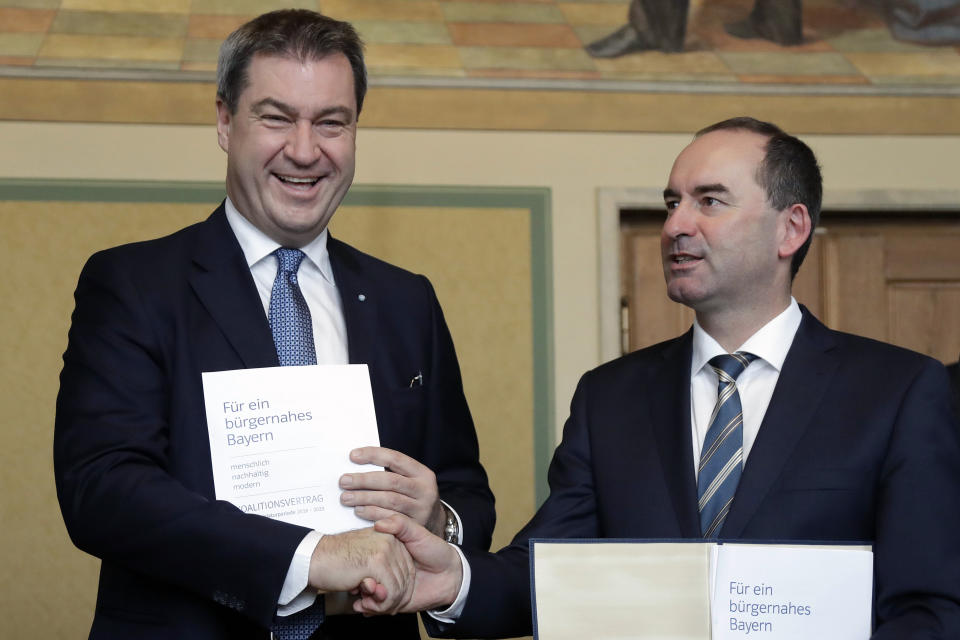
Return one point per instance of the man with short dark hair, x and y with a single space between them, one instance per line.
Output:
258 284
758 423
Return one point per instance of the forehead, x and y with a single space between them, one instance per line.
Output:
727 157
327 80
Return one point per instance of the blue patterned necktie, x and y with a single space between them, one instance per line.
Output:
300 625
721 458
289 314
293 335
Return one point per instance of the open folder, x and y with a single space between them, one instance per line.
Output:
690 590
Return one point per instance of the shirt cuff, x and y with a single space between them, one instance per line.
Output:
459 522
452 613
295 596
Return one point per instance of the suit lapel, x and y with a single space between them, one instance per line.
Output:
359 304
670 417
806 375
222 282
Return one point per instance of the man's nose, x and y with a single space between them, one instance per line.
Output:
303 146
680 220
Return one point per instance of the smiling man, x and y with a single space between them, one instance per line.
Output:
758 423
260 283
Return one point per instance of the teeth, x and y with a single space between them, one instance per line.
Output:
297 180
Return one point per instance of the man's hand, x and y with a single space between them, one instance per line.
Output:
374 563
405 487
438 570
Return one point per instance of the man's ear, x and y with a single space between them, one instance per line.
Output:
795 230
224 119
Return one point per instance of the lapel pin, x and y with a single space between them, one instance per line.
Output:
361 297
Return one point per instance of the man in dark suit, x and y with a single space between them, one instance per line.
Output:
131 449
662 25
758 423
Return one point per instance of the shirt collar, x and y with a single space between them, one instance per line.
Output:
257 245
771 343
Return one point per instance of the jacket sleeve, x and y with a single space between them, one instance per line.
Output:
916 556
499 601
120 496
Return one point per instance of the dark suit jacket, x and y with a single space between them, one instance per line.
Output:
953 370
858 443
131 450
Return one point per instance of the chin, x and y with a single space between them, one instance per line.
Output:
677 292
685 295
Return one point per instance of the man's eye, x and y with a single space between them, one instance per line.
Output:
671 204
710 202
331 128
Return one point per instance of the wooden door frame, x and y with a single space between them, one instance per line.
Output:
612 200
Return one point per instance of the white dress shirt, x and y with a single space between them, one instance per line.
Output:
319 289
770 344
316 283
315 277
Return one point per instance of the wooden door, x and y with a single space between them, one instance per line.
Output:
892 278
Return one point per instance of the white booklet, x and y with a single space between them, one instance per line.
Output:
791 592
280 438
655 590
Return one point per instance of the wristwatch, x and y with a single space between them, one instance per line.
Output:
451 530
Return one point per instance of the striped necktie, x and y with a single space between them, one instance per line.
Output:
721 458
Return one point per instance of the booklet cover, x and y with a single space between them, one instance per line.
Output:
791 592
280 438
689 590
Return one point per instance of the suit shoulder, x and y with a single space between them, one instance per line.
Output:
647 359
149 253
360 261
868 352
885 368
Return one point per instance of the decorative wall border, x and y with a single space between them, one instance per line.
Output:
557 107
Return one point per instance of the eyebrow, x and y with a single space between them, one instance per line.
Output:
292 111
710 188
697 191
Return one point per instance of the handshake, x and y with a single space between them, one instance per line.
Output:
400 564
396 566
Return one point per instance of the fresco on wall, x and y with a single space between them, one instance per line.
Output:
661 25
803 42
